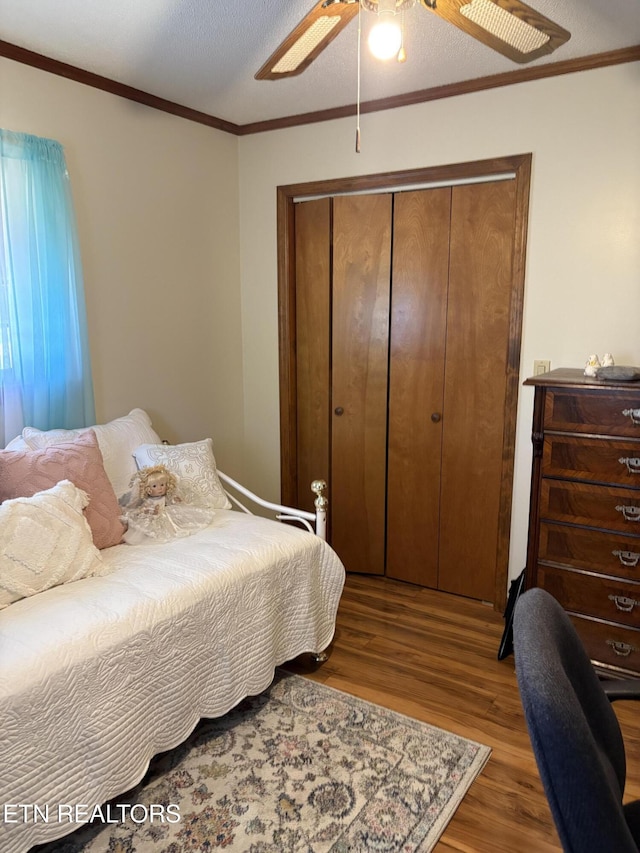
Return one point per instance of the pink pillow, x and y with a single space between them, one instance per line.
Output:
25 472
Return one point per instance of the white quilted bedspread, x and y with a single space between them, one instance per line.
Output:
99 675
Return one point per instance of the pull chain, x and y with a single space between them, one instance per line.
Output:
358 87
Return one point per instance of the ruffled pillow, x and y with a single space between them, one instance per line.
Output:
45 540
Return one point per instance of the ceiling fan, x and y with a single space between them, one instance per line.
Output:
508 26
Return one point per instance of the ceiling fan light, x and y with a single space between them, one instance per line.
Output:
385 38
517 33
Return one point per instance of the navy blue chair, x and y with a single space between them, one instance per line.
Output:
574 732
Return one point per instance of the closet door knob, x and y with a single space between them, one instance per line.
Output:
435 417
339 410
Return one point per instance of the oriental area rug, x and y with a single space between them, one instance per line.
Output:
302 768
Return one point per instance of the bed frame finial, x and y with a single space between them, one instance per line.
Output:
321 503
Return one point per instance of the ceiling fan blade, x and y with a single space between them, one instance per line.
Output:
508 26
314 32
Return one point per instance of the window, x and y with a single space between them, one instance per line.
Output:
45 373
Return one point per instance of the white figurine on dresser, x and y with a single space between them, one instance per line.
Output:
592 365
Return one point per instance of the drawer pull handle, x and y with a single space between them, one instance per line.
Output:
634 414
627 558
632 463
622 603
631 513
623 650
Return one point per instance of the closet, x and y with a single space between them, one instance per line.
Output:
402 341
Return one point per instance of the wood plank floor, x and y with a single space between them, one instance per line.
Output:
432 656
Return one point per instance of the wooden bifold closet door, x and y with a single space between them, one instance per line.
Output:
416 387
360 359
448 370
403 339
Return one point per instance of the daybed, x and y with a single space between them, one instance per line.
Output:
99 674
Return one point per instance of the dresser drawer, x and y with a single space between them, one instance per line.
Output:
601 597
609 644
601 460
604 507
591 550
593 411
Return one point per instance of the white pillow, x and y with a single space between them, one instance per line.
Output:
45 540
18 443
117 440
195 467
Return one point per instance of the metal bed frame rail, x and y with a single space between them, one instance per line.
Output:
314 522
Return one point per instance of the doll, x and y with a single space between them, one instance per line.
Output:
154 510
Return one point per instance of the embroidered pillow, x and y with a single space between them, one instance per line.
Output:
25 472
117 440
194 465
45 540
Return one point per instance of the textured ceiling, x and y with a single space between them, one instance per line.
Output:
203 54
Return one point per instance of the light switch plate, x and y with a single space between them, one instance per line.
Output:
541 366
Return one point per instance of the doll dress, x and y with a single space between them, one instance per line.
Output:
159 519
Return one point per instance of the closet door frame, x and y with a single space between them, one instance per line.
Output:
517 165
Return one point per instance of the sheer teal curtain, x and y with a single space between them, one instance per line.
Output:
45 372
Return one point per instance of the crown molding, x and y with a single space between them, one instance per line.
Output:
520 75
79 75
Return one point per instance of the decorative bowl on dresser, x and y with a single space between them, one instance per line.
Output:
584 521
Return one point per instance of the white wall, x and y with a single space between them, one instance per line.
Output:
156 200
180 269
582 287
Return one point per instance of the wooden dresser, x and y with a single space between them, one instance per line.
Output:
584 523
